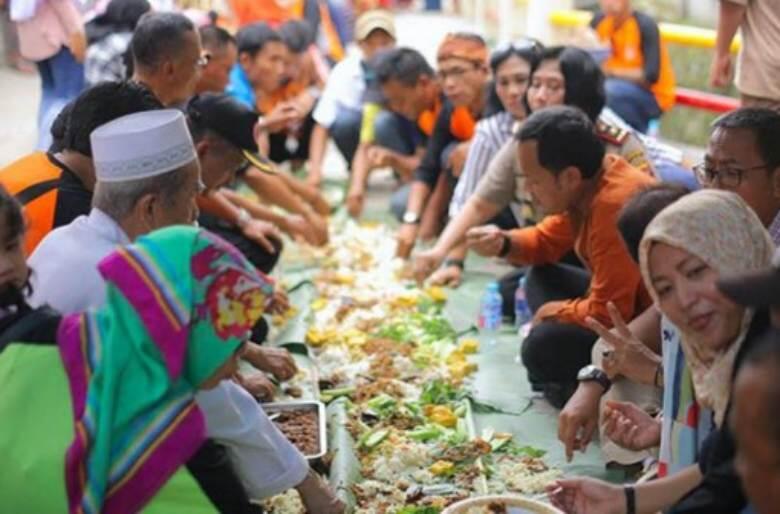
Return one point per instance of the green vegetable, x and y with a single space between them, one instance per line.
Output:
383 405
372 438
438 392
329 395
425 433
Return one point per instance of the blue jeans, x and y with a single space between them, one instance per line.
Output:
62 79
345 132
635 104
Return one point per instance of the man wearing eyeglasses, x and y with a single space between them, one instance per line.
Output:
743 156
463 74
167 56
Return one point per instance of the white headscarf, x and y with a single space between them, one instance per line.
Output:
722 230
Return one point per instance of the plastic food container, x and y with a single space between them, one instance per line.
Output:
304 406
492 505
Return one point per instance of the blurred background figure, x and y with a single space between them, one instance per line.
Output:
51 34
108 38
222 51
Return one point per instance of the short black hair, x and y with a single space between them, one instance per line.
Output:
297 35
159 36
583 78
564 137
252 38
406 65
100 104
765 125
642 208
59 127
766 354
214 38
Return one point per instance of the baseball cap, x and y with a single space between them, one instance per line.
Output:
231 120
372 20
754 289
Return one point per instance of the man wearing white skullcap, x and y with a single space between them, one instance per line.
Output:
148 177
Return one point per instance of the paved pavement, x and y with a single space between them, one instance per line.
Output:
19 97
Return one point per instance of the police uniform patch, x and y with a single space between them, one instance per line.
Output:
611 134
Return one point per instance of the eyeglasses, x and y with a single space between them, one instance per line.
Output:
203 60
728 177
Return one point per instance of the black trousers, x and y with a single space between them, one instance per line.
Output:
212 469
554 352
278 151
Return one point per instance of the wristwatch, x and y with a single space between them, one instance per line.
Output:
591 373
411 218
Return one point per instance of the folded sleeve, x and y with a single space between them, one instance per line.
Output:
544 243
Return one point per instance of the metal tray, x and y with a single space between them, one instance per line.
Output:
305 405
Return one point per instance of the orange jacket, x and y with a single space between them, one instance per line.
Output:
33 179
614 274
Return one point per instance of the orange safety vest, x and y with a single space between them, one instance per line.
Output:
33 180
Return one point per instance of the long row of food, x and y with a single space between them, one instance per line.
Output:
387 356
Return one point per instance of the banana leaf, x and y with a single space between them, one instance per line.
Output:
345 466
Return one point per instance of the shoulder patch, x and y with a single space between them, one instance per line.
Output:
611 134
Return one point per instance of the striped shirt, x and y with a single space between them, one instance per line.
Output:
489 136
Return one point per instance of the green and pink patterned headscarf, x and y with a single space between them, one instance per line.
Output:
180 302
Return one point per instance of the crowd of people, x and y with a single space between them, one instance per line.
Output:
135 270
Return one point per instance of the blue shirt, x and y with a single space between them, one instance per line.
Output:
240 88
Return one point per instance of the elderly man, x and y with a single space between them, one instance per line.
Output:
167 56
148 177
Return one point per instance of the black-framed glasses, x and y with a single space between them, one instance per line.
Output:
728 177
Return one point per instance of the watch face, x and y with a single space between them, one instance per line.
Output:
588 372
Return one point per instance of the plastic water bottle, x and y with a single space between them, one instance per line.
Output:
490 311
522 310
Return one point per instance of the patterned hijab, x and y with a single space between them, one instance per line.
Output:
719 228
180 302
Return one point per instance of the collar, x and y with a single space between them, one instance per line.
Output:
106 227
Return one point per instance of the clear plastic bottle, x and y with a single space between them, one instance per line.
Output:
490 310
522 310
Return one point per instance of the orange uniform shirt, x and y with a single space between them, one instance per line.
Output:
50 194
637 45
614 274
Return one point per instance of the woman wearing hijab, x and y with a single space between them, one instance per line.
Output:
684 251
113 417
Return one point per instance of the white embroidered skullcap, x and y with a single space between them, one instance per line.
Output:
141 145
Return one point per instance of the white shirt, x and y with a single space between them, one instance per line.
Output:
344 90
66 278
